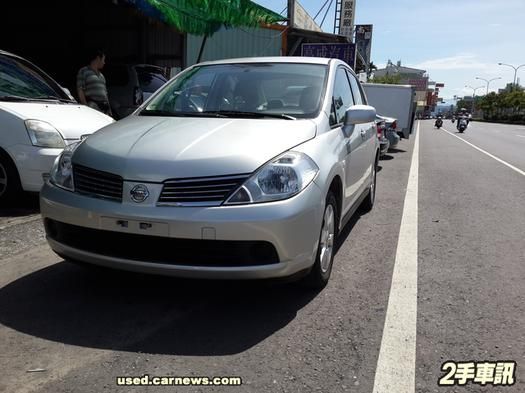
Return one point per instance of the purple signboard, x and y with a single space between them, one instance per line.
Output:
345 52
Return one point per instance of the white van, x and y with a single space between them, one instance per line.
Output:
38 119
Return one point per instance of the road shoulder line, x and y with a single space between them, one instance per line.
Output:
396 364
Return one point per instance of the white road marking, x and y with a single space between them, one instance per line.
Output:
396 365
521 136
487 153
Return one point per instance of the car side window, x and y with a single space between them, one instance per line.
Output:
356 90
342 97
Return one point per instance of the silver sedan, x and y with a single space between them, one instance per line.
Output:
235 169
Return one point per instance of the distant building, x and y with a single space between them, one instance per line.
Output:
398 69
409 76
510 87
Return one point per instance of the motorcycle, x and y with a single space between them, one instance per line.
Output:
438 123
462 125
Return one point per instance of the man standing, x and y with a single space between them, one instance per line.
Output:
91 84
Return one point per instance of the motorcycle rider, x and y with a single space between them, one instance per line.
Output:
439 122
462 115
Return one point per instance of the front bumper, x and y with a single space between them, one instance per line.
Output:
291 226
393 138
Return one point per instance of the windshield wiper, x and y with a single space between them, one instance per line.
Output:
160 112
258 115
24 99
156 112
14 98
54 98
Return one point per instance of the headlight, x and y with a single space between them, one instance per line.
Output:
44 134
282 178
62 172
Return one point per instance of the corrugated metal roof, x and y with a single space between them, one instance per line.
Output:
235 43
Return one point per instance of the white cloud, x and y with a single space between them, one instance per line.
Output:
458 62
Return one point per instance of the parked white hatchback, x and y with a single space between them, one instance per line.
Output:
37 120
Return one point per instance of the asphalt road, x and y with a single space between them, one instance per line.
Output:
505 141
67 329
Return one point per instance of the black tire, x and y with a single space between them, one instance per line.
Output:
10 187
368 202
319 275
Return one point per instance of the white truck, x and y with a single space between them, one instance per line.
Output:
393 101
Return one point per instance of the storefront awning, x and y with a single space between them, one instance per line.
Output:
204 17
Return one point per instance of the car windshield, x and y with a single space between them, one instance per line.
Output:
20 80
273 90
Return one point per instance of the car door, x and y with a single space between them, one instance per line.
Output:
342 100
365 154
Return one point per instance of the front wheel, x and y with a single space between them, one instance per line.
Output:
320 273
10 186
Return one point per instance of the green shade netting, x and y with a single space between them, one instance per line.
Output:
204 17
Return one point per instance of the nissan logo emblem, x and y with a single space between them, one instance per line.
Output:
139 193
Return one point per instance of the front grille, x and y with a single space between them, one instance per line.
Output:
97 184
213 190
156 249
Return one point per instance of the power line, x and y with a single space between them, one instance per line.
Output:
318 12
326 13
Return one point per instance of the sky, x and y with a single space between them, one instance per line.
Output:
455 41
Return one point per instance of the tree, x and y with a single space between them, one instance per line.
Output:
506 106
489 104
515 100
463 104
391 79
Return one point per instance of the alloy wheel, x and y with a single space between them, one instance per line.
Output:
3 179
327 238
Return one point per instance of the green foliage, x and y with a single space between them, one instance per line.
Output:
204 17
464 104
387 79
507 106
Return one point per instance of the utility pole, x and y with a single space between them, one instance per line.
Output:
515 71
488 82
291 12
474 96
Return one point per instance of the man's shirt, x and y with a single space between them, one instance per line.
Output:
93 84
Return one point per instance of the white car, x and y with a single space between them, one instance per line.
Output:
222 174
38 119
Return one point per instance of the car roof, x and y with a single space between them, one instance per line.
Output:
6 53
272 59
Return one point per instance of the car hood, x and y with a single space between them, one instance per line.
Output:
155 149
70 120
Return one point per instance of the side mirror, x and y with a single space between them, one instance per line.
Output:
66 90
358 114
